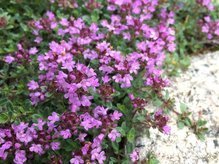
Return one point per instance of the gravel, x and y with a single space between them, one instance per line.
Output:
198 88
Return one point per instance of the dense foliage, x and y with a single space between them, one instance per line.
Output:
76 75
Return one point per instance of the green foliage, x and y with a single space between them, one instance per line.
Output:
184 119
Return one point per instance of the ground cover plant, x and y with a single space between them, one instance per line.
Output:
76 76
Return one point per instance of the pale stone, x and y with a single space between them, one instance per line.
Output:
198 88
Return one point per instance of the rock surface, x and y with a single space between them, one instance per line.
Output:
198 88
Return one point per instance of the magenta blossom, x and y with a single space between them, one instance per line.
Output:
134 155
113 135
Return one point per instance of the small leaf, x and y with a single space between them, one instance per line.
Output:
201 136
121 107
112 160
131 135
3 118
153 161
180 125
121 130
183 107
158 102
201 122
187 122
3 101
115 146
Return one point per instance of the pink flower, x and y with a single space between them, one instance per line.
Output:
32 85
85 149
113 135
97 154
64 22
33 51
55 145
54 117
37 148
100 111
40 123
103 46
116 115
66 134
82 136
38 39
77 160
166 129
9 59
20 157
134 156
3 154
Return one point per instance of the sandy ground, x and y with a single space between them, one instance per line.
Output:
198 88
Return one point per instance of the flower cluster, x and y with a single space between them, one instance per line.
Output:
158 120
62 68
206 3
210 27
22 55
161 121
89 64
24 140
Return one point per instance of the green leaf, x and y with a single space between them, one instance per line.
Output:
201 136
201 122
180 125
131 135
183 107
3 118
121 131
121 107
3 101
112 160
126 161
157 102
115 146
153 161
187 122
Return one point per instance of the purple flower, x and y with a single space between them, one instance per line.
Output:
97 154
3 154
103 46
64 22
166 129
134 156
85 149
77 160
98 140
54 117
9 59
32 85
66 134
82 136
159 112
90 54
37 148
20 157
50 15
100 111
33 51
55 145
89 122
6 145
113 135
38 39
116 115
40 123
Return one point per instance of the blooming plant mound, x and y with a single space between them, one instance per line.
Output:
95 69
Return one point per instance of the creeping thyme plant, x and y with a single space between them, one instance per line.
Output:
77 86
